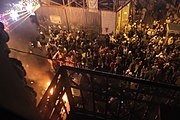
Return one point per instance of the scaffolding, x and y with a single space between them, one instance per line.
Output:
104 17
112 5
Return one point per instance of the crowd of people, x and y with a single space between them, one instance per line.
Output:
141 51
157 9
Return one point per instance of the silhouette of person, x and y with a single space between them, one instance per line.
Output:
4 38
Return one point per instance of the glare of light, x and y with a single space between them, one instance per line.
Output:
66 102
14 15
20 5
29 7
48 83
125 13
33 13
11 4
51 91
65 99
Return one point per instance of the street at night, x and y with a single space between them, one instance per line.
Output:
90 59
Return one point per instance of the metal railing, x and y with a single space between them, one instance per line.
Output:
99 95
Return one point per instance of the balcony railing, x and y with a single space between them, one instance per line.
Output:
81 94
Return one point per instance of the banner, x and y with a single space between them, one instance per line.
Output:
108 22
92 4
74 19
55 19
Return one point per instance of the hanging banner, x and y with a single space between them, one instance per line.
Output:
108 22
92 4
55 19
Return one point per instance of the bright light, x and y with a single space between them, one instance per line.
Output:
66 102
125 13
29 7
48 83
33 13
20 5
51 91
65 99
14 15
19 11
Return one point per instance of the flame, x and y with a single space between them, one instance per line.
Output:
48 83
51 91
65 99
66 102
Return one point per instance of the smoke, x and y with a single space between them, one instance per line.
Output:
38 69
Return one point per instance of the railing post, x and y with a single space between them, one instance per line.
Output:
42 106
124 96
106 97
66 83
93 93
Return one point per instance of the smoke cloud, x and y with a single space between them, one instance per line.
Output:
38 69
